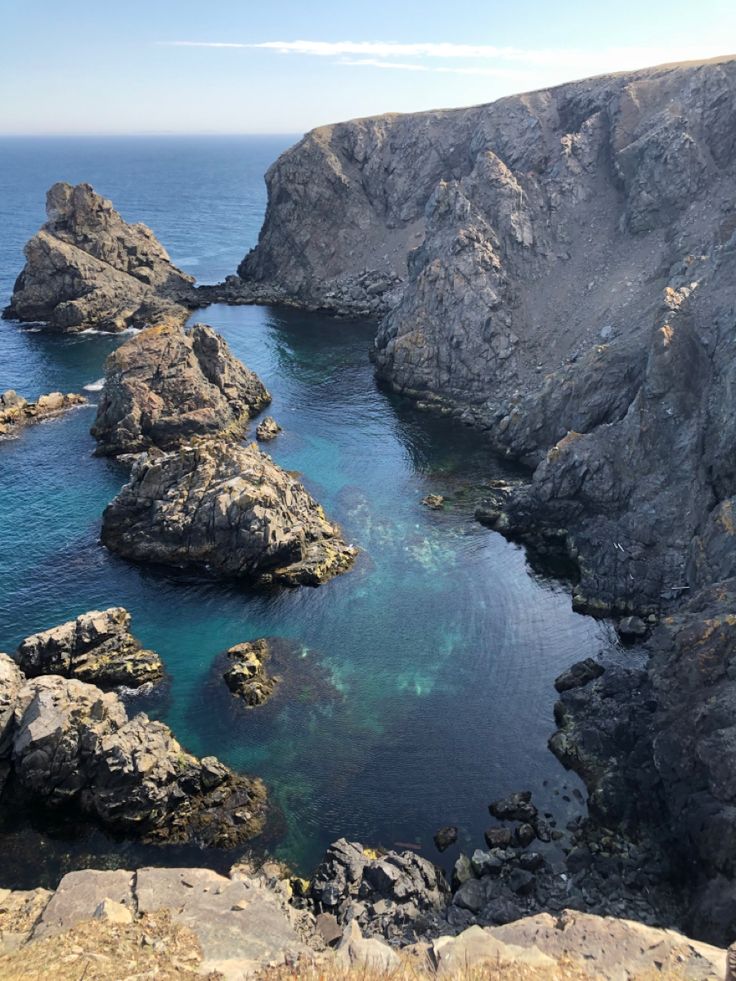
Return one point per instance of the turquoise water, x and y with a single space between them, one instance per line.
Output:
417 687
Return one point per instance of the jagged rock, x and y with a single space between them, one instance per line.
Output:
476 948
96 647
246 675
11 682
557 267
435 502
166 385
631 628
445 837
579 674
226 510
393 895
74 746
87 268
267 430
16 412
516 807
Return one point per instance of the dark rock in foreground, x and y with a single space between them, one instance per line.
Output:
166 385
16 412
246 674
396 895
97 647
227 511
71 745
579 674
87 268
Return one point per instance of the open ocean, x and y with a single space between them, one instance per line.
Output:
419 686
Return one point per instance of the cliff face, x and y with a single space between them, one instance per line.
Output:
556 267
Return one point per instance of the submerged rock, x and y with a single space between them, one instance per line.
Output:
71 745
166 385
434 502
267 430
227 511
516 807
445 837
87 268
16 412
96 647
246 674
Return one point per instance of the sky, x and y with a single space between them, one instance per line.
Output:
237 66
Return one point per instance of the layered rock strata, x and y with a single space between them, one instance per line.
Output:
67 744
87 268
96 647
166 385
16 412
227 511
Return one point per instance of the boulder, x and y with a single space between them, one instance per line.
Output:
579 674
225 510
365 953
476 950
96 647
516 807
498 837
74 746
166 385
16 412
395 895
246 674
267 429
87 268
631 628
11 682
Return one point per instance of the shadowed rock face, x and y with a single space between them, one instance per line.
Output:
96 647
88 268
69 744
557 267
165 385
225 510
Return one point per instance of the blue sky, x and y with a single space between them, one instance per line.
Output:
282 67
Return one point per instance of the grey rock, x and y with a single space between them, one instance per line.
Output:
78 897
579 674
11 682
166 385
74 746
631 628
525 835
225 510
87 268
462 870
96 647
368 953
521 881
486 863
516 807
471 895
497 837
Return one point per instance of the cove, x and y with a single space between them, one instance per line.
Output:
418 687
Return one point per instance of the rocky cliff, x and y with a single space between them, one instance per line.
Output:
87 268
558 268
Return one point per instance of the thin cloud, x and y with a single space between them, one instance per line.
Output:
519 64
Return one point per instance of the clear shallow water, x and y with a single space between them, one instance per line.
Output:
418 687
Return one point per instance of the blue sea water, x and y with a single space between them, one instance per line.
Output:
418 687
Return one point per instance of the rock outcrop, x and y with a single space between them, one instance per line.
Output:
267 430
97 647
166 385
397 895
557 267
67 744
87 268
226 511
16 412
246 675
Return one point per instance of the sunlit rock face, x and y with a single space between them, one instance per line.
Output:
88 269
